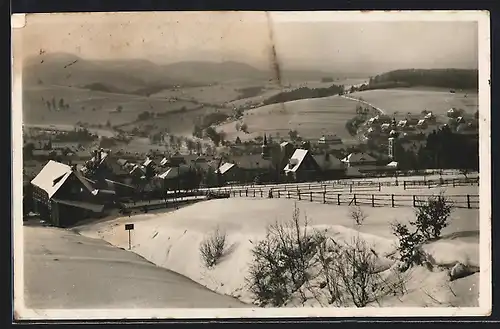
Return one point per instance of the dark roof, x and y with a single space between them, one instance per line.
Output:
251 161
328 162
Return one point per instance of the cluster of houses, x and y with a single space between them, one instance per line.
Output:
63 193
382 126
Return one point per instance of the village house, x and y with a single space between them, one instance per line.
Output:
72 146
62 196
327 140
229 173
422 124
103 166
359 163
181 177
302 167
430 117
331 166
453 113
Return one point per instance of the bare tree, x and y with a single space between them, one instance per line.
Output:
358 215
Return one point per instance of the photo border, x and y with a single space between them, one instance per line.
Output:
485 216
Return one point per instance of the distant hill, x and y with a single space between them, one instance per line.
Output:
214 72
70 70
142 76
445 78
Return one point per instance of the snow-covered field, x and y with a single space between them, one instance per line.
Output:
172 240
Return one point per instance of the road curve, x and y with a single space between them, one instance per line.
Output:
382 112
63 269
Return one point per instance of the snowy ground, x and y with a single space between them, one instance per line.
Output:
64 270
171 240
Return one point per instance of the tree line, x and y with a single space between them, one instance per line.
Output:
445 78
304 93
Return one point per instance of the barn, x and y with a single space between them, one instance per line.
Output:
62 196
302 167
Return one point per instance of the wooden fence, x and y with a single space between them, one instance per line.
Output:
468 201
355 186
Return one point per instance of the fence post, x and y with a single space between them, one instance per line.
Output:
392 200
240 193
246 192
379 186
298 193
278 194
404 185
414 201
355 200
338 199
261 193
468 201
324 196
254 193
373 200
311 196
350 188
453 181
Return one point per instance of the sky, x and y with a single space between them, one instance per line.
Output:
307 41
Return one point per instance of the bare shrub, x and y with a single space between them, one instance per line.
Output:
358 215
352 275
326 251
282 262
432 216
213 247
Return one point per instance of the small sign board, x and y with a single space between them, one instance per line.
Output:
129 227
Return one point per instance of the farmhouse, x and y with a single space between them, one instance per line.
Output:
331 167
372 121
422 124
179 177
329 140
302 167
229 172
62 196
385 127
453 113
403 123
359 163
73 146
430 117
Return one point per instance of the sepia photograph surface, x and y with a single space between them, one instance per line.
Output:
251 164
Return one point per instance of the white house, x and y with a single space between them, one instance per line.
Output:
329 140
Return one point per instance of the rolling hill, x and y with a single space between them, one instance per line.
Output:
138 76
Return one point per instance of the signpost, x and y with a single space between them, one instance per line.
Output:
129 227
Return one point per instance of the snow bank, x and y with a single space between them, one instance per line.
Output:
172 240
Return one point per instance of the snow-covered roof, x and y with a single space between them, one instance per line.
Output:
393 164
358 157
147 162
224 168
283 144
53 175
296 160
